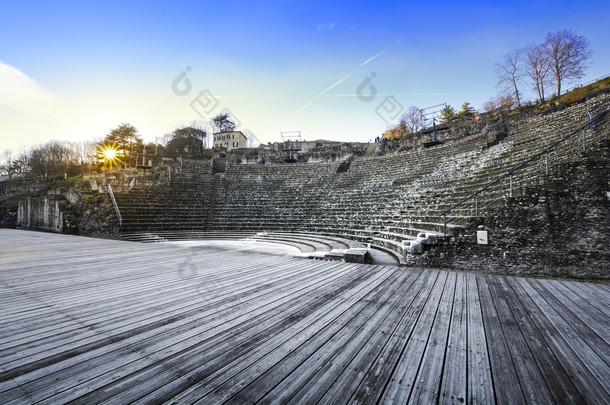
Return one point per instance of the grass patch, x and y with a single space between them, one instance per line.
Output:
581 93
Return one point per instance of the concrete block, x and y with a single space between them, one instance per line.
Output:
413 247
428 239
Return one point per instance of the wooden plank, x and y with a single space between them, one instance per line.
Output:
354 354
533 385
596 294
236 342
578 372
455 371
480 388
189 332
585 344
277 329
102 303
354 361
597 320
378 374
326 321
303 363
551 370
583 330
124 326
429 378
106 306
507 387
581 294
403 378
200 341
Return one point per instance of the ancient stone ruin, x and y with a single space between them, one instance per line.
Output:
548 216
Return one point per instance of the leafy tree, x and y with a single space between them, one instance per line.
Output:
448 114
509 74
222 123
397 132
537 67
467 111
187 141
568 56
125 137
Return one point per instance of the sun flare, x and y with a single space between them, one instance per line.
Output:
109 155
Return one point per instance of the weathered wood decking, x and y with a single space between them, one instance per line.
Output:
88 321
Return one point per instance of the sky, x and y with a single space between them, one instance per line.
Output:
74 70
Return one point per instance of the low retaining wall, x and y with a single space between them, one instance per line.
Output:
46 213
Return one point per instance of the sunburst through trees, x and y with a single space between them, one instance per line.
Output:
110 155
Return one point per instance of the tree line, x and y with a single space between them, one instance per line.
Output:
413 120
561 58
60 158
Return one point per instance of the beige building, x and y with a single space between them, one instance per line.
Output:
230 140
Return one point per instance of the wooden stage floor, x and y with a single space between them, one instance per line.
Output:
87 321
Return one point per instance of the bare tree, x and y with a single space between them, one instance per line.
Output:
537 67
205 136
568 55
53 158
7 164
509 74
498 102
413 119
87 151
21 163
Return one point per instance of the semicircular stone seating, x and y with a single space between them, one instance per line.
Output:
382 200
309 245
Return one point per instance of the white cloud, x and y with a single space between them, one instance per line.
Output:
21 92
326 26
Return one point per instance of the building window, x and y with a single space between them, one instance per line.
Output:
235 144
232 136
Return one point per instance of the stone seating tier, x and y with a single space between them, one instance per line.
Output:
384 199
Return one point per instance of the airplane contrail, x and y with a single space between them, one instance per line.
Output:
393 94
343 79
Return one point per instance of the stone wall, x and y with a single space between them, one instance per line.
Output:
312 151
61 208
16 188
45 213
560 227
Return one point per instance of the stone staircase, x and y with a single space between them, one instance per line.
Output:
181 205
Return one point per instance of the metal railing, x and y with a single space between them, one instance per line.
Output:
509 174
116 206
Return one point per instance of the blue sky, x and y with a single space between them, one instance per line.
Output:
75 70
